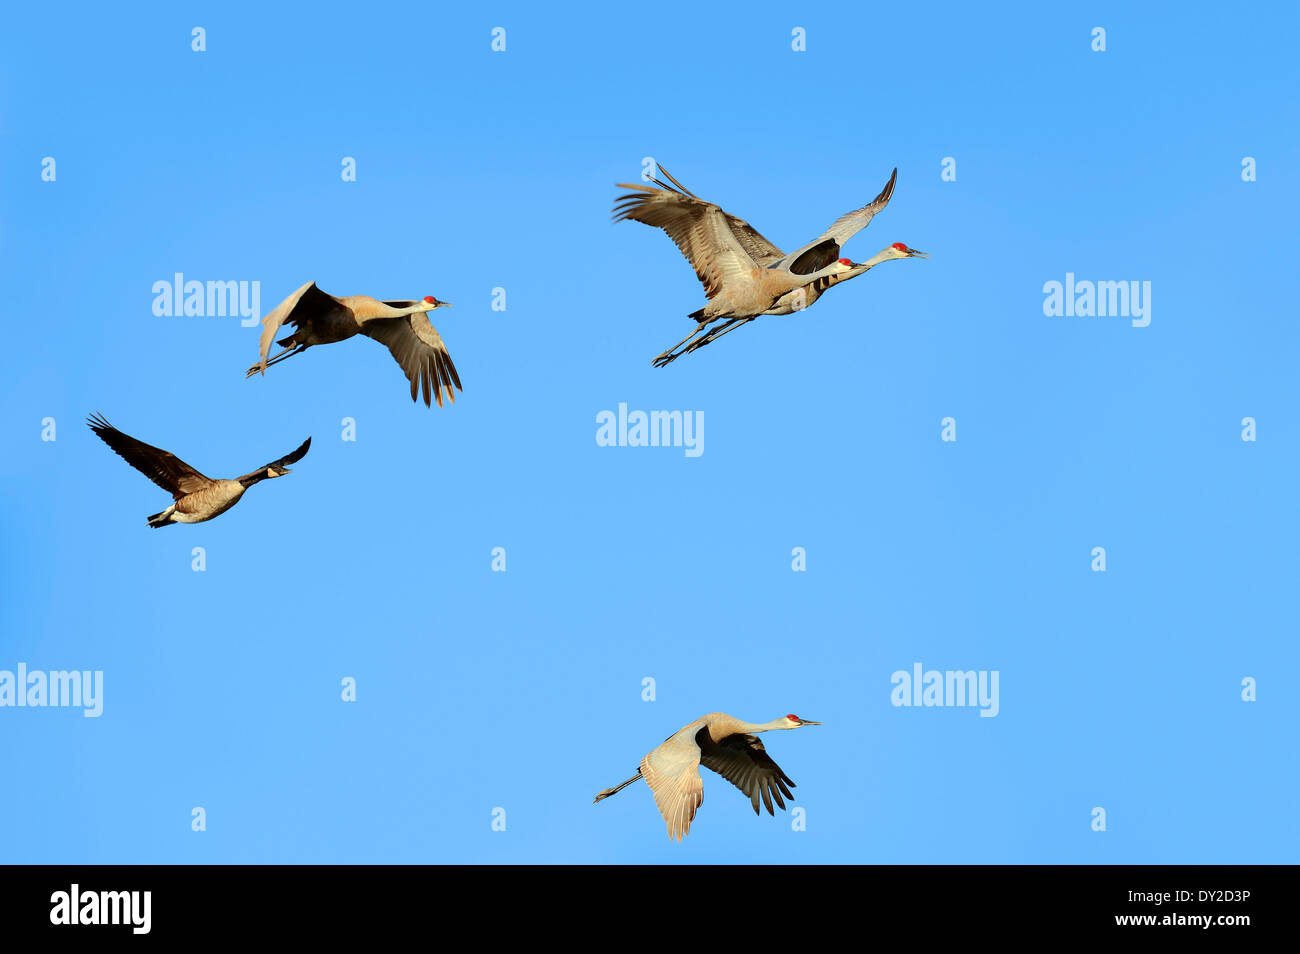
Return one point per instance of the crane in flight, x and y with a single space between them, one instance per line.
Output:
744 275
724 744
403 327
196 498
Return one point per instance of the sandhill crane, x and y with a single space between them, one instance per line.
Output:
197 498
745 275
401 326
723 743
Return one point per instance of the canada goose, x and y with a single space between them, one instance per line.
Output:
401 326
198 498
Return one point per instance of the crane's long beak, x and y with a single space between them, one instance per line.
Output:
808 722
916 253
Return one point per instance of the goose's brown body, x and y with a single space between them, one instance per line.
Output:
208 503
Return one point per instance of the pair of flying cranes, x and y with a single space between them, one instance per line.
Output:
744 276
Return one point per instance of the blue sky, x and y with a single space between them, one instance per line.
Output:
522 690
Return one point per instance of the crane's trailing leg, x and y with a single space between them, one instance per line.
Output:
666 357
718 333
617 788
715 334
276 359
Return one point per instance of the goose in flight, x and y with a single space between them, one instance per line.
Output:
402 327
744 275
724 744
196 498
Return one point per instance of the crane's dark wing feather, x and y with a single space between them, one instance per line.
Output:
165 469
305 302
742 761
816 258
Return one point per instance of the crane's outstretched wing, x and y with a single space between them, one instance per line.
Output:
851 223
165 469
825 249
306 300
286 460
720 246
416 345
673 773
742 761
